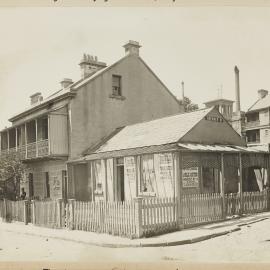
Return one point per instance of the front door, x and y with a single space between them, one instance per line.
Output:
120 180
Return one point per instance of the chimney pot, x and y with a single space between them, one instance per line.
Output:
66 82
132 47
89 65
262 93
36 98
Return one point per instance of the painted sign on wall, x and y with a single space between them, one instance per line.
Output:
190 177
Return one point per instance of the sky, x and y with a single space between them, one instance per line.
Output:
198 45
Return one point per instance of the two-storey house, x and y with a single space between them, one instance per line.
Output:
257 122
64 125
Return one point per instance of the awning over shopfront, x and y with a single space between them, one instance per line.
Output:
218 148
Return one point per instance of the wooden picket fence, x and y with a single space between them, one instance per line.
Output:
2 210
116 218
200 208
48 214
159 215
232 204
137 218
254 202
15 210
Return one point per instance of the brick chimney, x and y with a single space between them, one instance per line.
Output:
237 90
89 65
66 83
132 47
262 93
36 98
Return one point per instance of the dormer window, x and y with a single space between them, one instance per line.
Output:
116 85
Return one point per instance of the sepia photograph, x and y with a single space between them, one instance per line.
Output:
134 136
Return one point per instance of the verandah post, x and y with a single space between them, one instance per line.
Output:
222 189
178 183
71 213
268 183
240 184
59 210
138 217
25 211
33 211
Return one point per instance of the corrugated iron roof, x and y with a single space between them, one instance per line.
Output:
219 148
161 131
128 152
168 147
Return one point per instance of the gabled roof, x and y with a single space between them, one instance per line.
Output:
73 87
167 130
260 104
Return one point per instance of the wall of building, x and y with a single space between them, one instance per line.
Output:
264 135
95 114
264 117
55 168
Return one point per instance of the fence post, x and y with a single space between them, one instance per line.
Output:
33 211
25 211
138 217
223 202
59 210
71 213
5 210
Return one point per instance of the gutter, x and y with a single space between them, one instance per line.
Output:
41 106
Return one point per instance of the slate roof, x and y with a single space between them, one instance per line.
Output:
161 131
260 104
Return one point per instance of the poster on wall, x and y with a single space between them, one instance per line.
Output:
130 168
190 177
130 177
166 166
56 186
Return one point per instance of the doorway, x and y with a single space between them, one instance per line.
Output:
31 185
64 185
120 179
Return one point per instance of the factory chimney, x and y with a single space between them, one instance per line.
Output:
237 89
183 91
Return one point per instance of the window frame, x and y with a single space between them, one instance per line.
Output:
119 90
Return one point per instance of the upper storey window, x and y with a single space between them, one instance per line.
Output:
116 85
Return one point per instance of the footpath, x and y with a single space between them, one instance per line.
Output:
186 236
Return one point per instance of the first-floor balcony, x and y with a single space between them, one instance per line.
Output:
38 138
32 150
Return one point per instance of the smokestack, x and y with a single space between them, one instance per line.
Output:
183 91
237 89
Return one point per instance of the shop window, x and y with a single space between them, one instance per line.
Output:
210 179
148 174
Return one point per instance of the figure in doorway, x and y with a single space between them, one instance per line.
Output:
23 194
